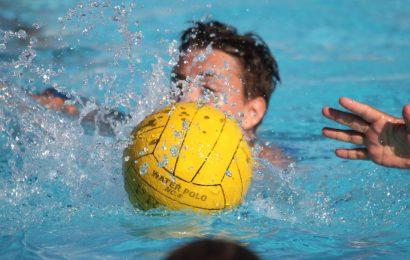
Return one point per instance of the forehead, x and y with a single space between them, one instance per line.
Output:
216 61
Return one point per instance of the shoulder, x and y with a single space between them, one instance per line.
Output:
274 155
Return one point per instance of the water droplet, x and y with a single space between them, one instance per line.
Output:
143 151
228 173
143 169
27 56
185 124
94 4
177 134
163 162
174 150
53 174
21 34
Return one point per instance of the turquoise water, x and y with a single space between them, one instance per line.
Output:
61 190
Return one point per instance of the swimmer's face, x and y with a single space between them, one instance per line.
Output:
215 77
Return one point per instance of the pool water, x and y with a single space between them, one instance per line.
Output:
61 188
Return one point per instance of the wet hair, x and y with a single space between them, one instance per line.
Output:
212 249
260 69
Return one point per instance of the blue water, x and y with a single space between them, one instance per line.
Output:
61 189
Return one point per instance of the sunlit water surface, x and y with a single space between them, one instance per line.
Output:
61 187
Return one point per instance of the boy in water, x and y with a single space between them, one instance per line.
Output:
238 74
218 66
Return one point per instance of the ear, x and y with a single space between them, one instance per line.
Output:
254 111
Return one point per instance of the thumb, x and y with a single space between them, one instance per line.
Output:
406 116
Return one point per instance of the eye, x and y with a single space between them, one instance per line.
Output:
180 84
207 88
177 78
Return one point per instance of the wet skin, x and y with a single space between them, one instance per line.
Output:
384 139
56 103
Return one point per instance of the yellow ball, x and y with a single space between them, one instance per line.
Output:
187 157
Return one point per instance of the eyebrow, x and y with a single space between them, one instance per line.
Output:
207 73
178 76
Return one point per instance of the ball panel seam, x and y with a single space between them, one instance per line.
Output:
183 141
213 147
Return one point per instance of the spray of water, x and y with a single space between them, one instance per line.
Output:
52 166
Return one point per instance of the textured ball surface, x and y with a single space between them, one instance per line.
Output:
186 156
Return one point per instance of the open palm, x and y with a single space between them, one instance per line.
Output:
385 139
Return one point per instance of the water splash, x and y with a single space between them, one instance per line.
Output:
51 166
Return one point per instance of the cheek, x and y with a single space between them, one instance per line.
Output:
236 98
235 105
191 94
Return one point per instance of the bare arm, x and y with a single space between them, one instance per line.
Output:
274 155
101 118
48 99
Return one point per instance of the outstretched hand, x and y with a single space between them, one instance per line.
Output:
384 139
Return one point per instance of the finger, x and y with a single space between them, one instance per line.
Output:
350 136
347 119
365 111
406 116
353 154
